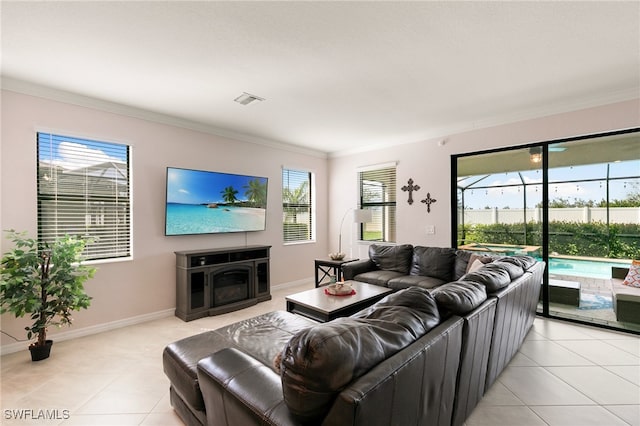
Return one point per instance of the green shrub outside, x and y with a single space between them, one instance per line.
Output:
596 239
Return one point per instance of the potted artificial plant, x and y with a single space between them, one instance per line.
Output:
46 281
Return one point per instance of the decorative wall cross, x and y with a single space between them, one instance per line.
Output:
410 187
428 201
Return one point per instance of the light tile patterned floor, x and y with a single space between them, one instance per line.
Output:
567 375
564 375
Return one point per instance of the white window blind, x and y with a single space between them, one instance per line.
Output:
378 194
84 189
297 207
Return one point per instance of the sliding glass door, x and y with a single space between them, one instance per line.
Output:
574 203
499 202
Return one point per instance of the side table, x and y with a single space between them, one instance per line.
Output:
325 268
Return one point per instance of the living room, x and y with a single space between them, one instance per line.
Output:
142 287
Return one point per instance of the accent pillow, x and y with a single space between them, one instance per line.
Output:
482 258
633 276
477 264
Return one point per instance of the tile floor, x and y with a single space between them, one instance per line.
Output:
564 375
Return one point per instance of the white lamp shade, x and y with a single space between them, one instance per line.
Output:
362 216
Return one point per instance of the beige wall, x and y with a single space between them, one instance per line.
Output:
428 163
145 286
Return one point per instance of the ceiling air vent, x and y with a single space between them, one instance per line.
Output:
247 98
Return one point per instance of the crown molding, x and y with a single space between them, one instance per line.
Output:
33 89
46 92
515 117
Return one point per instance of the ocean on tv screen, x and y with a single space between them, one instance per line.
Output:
186 219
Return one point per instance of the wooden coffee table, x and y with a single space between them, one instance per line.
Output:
319 306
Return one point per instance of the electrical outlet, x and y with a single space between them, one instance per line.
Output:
430 229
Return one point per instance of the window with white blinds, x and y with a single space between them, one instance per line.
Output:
84 190
297 206
378 194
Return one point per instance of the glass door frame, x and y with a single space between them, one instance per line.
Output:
544 147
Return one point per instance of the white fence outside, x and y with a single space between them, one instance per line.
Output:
580 215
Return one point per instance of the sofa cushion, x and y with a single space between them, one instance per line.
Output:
392 258
413 299
406 281
493 276
378 277
525 262
318 362
437 262
515 271
460 297
461 263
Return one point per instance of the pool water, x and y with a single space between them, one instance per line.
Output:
590 268
502 249
583 268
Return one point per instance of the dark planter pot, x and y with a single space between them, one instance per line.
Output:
38 353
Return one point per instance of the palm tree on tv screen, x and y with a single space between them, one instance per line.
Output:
229 194
256 193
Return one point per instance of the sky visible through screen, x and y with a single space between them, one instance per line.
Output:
498 194
199 187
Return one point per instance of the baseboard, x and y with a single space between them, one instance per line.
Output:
88 331
100 328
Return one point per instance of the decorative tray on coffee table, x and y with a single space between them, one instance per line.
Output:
339 289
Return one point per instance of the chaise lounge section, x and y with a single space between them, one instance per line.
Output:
240 384
420 356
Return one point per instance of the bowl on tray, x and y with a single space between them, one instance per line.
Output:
336 256
339 289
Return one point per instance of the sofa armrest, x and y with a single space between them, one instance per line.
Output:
239 390
351 269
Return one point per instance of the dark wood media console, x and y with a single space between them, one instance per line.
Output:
217 281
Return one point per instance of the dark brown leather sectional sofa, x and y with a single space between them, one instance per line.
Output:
422 356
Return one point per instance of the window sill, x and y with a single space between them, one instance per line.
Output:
297 243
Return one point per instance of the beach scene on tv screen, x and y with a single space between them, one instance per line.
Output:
203 202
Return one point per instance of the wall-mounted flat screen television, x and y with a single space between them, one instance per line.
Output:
205 202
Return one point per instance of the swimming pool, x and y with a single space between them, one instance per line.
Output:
503 249
559 265
592 268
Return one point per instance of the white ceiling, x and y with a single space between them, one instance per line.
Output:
337 76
